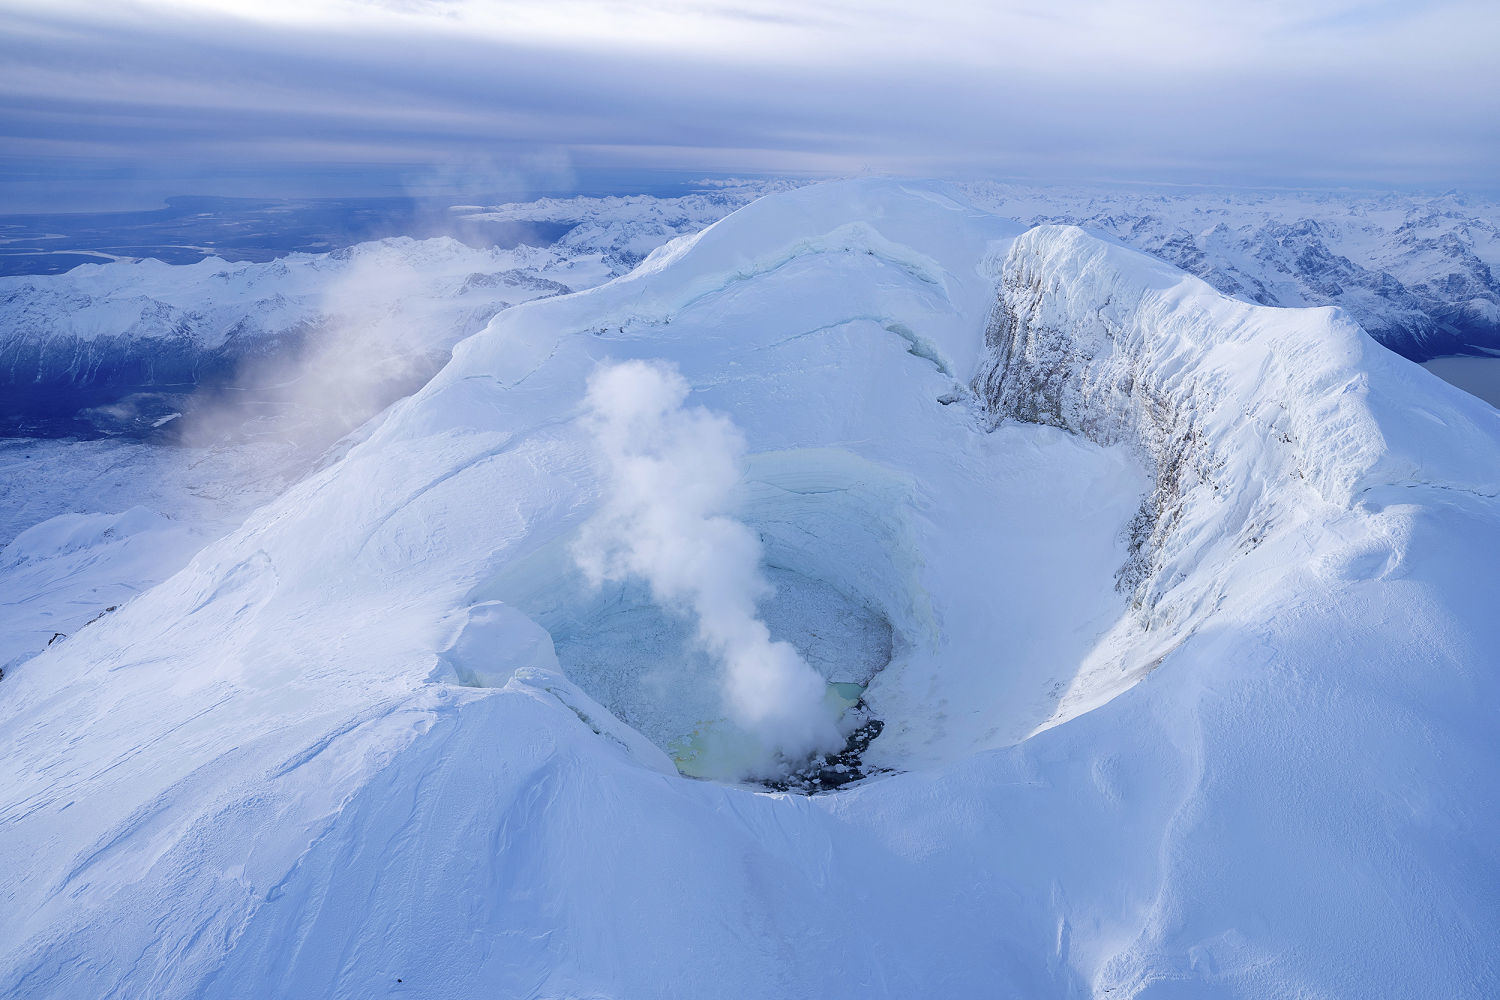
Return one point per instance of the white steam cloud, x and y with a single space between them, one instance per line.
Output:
672 471
375 330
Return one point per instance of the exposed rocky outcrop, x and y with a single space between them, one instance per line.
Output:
1245 416
1082 371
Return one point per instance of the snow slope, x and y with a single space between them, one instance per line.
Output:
86 525
1189 688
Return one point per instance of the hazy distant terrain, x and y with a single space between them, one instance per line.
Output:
236 229
118 347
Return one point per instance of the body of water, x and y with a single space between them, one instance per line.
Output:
1479 376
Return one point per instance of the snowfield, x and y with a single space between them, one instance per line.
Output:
1175 609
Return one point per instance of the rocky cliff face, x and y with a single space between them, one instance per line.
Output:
1250 420
1084 367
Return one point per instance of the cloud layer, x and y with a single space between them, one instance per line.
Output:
1326 91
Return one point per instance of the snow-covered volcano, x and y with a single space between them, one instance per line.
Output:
1175 611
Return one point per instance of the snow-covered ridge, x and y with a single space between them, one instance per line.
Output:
1420 273
1120 349
1249 419
382 732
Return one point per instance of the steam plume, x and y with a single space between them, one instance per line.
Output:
672 470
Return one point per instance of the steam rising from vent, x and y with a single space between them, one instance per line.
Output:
671 473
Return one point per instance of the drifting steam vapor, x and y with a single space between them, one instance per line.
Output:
672 470
361 352
383 316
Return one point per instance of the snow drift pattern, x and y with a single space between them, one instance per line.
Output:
671 472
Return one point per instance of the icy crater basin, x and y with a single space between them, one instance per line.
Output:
831 526
955 611
640 659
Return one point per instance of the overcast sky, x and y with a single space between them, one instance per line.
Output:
133 100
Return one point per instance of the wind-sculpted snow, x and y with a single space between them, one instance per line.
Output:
385 738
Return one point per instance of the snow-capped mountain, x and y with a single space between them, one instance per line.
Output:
1419 273
1165 604
148 332
116 347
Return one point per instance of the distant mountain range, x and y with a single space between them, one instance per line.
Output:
1417 272
114 348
